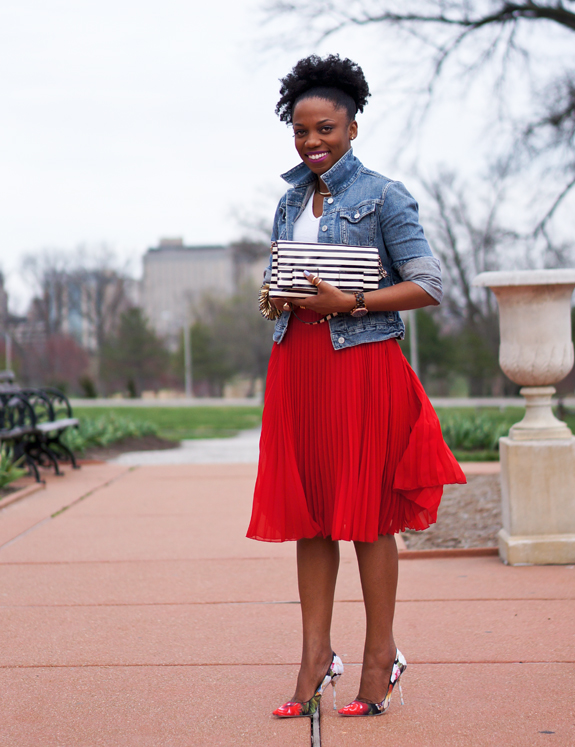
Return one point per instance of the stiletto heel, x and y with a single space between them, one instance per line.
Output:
358 708
334 680
293 709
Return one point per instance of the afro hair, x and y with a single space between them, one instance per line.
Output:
332 75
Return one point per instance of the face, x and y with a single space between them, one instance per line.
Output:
322 133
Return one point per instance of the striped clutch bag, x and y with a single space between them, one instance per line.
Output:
349 268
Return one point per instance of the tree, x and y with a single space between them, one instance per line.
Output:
134 359
211 367
81 294
470 239
459 42
436 352
246 336
56 360
230 338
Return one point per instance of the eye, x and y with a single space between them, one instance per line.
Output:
326 128
298 133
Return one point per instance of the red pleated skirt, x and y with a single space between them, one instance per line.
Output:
351 447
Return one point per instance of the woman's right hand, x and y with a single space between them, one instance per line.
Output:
280 304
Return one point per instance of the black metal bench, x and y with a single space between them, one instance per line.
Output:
34 420
17 425
45 444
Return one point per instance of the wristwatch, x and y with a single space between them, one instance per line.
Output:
359 308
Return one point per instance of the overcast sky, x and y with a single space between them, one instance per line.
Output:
123 122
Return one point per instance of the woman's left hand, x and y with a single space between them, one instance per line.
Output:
329 299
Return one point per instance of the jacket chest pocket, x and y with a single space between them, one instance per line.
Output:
358 225
282 223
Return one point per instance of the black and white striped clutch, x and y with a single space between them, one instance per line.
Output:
349 268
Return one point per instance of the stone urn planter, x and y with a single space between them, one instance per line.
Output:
538 456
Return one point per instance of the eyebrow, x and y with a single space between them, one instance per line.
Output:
321 121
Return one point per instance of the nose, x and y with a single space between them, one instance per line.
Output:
313 140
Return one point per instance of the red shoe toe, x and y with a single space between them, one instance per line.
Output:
355 709
289 710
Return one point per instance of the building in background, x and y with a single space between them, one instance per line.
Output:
77 311
176 278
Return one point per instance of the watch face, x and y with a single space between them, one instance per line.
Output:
359 312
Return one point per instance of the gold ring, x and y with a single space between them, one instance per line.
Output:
319 282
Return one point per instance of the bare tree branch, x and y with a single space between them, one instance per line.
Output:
464 42
542 225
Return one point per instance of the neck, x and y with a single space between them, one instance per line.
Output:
322 186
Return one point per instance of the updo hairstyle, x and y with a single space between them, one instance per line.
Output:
339 81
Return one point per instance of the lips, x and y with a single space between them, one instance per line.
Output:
317 156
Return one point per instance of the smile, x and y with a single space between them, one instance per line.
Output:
317 156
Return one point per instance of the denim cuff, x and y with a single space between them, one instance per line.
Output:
425 272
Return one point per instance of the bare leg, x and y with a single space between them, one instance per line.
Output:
317 566
378 571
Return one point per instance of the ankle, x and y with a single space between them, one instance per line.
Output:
312 671
380 658
316 657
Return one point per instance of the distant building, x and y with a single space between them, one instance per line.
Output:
177 276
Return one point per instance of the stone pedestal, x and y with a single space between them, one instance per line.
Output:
539 422
538 501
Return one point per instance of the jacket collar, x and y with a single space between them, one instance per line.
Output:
338 178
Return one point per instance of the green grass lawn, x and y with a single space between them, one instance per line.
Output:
482 422
177 423
471 432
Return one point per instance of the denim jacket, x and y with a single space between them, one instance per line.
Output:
365 209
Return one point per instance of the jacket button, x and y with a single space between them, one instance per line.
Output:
329 200
341 340
356 215
324 228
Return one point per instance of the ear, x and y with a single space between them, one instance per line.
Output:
352 130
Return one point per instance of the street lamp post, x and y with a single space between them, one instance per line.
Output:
8 341
188 359
413 349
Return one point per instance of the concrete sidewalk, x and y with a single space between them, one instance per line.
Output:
135 613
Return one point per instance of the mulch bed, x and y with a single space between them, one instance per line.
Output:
146 443
469 516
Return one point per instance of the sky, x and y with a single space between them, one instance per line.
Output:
124 122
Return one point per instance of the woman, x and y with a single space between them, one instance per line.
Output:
351 448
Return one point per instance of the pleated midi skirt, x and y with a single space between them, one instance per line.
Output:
351 447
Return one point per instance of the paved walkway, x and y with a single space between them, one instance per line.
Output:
243 448
139 616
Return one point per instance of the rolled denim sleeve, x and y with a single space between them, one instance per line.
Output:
425 272
399 220
404 239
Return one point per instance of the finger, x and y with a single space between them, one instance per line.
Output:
308 301
311 278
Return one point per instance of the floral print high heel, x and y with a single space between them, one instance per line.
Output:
293 709
357 708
